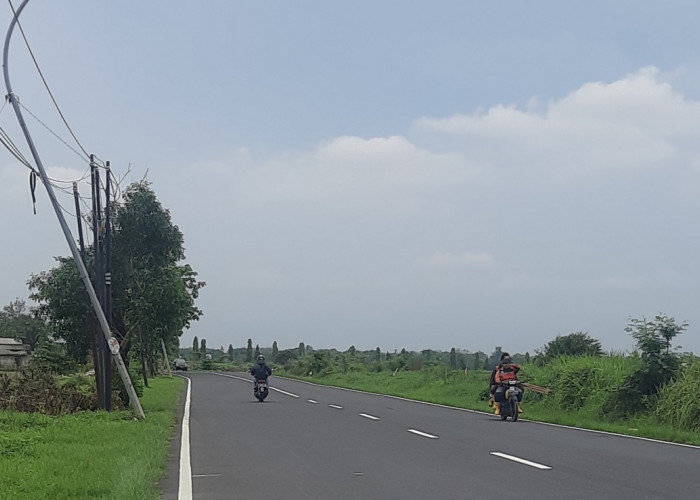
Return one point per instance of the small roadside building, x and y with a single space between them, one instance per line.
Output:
14 355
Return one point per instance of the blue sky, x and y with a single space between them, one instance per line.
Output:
386 174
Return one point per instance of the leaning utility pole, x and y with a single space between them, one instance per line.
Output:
12 98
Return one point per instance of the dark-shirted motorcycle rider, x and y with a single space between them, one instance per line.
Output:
260 370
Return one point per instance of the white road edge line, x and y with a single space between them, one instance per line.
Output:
336 407
420 433
371 417
312 401
185 487
520 460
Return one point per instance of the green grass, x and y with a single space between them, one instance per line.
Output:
460 390
89 455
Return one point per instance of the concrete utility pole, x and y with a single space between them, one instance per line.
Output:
107 280
12 98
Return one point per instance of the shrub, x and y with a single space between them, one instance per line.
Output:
678 403
118 388
577 381
37 391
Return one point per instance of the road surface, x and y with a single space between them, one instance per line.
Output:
314 442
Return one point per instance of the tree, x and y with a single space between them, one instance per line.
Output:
158 302
203 348
230 352
318 363
63 303
17 322
302 350
495 357
195 346
653 339
249 351
658 366
487 365
573 344
668 329
275 351
257 350
453 358
153 295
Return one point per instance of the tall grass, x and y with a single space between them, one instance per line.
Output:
89 455
679 401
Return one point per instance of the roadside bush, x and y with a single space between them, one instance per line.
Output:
119 389
577 381
634 396
52 357
37 391
678 404
624 402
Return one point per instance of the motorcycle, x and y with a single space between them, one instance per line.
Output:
512 393
260 390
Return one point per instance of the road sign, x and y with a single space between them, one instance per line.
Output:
113 345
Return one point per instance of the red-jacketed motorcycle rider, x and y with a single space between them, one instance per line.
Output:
503 372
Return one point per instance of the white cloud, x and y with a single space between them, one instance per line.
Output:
631 125
382 175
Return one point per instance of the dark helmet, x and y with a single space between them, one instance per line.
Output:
261 358
504 355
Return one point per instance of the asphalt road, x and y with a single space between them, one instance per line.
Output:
314 442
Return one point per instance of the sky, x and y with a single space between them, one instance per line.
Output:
392 174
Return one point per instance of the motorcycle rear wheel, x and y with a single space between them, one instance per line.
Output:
514 411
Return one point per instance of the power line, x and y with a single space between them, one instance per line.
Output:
53 133
14 150
46 85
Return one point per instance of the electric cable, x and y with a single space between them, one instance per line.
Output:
53 133
56 183
46 85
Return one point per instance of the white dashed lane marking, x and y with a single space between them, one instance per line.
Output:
421 433
520 460
371 417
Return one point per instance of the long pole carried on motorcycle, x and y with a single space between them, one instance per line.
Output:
12 98
536 388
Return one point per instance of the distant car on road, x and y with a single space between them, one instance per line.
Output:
180 364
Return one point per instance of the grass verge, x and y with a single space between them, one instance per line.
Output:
90 455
